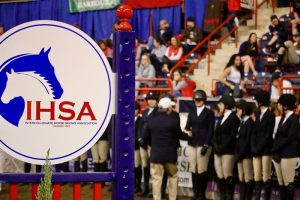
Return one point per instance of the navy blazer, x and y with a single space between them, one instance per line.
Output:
243 143
261 138
202 127
137 128
144 121
287 136
224 138
165 132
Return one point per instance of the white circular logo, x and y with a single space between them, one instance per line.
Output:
56 92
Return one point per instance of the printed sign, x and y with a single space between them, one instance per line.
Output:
89 5
56 92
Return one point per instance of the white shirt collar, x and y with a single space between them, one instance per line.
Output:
287 116
199 110
226 114
245 118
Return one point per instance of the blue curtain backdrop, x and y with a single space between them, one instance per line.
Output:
97 24
196 9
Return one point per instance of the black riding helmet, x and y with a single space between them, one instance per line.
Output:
228 101
247 107
200 95
152 95
288 101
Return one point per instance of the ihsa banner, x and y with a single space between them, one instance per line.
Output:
89 5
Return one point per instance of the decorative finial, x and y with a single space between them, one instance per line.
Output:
124 13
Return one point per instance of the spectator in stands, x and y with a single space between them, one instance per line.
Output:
106 50
277 35
165 32
243 154
234 8
145 70
249 51
296 12
232 77
191 35
181 85
223 141
286 147
138 51
278 84
173 54
157 54
1 30
289 53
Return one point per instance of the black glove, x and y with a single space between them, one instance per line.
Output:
276 158
142 143
204 150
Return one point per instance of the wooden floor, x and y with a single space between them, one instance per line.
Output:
66 193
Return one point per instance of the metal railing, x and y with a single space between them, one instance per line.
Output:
207 41
258 5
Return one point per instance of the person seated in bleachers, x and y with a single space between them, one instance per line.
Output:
138 52
173 54
249 51
165 32
181 85
277 84
296 12
191 35
289 53
105 48
232 77
277 35
157 54
145 70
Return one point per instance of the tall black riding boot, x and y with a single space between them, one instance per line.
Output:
282 192
146 181
290 191
138 179
38 168
164 186
222 187
58 168
27 167
84 165
249 190
268 189
242 191
76 166
257 190
195 181
202 184
229 188
96 167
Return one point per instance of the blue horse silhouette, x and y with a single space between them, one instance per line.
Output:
36 63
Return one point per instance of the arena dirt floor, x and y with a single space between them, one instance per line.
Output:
66 193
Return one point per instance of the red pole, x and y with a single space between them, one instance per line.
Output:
256 13
34 190
56 191
13 192
97 191
76 191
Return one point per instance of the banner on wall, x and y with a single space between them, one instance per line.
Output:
89 5
152 3
14 1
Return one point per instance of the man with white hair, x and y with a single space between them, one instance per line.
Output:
164 131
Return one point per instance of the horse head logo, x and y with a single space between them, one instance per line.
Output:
35 66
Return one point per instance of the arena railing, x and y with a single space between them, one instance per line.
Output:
211 48
258 5
161 86
295 80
